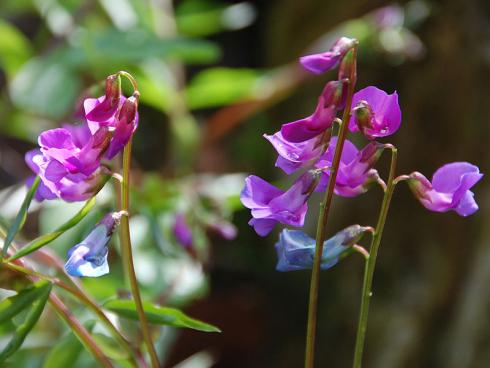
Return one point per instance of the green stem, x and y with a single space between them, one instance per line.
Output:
322 223
83 298
371 263
127 257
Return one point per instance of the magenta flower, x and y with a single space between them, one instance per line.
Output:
323 62
58 182
182 231
355 170
75 147
375 113
293 156
121 119
449 190
331 100
271 205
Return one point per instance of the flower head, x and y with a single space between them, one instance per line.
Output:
271 205
296 250
89 257
449 189
330 101
58 182
355 169
323 62
376 114
293 156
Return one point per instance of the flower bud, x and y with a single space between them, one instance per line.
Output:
335 94
348 67
363 115
322 62
113 89
129 109
89 257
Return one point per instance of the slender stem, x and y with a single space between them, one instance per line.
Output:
322 223
79 330
371 263
78 294
127 257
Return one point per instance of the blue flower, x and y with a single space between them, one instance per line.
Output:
89 257
296 250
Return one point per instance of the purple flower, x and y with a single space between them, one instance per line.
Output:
58 182
376 114
89 258
331 100
270 205
296 250
293 156
75 147
355 169
321 63
449 190
181 231
121 119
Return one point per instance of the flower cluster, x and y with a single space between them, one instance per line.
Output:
308 144
68 161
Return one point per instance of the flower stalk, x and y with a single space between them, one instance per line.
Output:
323 219
371 262
127 256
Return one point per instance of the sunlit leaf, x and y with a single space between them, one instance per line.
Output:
21 216
221 86
15 48
159 315
35 309
47 238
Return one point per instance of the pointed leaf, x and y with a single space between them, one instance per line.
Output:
33 315
13 305
47 238
21 216
159 315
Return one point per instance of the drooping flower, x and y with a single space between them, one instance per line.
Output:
271 205
296 250
449 189
330 101
375 113
355 171
293 156
323 62
117 113
89 257
182 231
58 182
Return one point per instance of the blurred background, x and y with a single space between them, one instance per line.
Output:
214 76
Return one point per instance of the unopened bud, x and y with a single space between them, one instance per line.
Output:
348 67
334 94
129 109
363 114
113 89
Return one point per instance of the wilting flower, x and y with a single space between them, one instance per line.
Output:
115 112
323 62
296 250
270 205
355 170
330 101
182 231
293 156
375 113
89 258
58 182
449 189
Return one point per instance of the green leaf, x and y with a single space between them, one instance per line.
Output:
159 315
15 48
36 308
15 304
133 46
110 347
221 86
21 216
47 238
66 352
